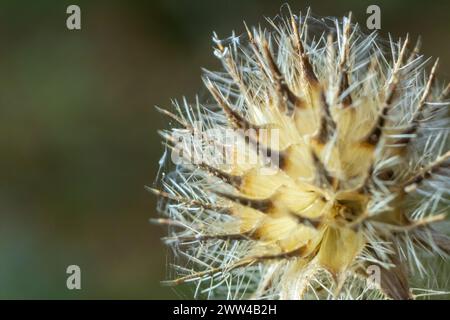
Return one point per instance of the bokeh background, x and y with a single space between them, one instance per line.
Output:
78 137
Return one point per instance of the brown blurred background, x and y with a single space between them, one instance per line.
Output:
78 137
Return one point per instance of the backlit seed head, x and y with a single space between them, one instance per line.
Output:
319 169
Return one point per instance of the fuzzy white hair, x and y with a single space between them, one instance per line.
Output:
362 178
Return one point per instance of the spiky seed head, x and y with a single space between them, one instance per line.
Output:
320 164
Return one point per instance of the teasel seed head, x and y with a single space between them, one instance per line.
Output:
321 159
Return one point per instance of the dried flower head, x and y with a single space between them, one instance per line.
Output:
319 171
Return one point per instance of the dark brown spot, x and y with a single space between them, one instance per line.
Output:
263 205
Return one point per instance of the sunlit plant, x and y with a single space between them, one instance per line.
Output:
335 182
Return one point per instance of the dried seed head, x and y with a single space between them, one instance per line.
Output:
322 159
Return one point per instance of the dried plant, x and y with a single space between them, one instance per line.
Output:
349 181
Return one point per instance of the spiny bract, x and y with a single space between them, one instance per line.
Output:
353 134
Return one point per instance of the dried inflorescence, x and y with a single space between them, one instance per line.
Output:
337 171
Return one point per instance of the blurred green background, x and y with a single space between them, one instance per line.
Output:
78 137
